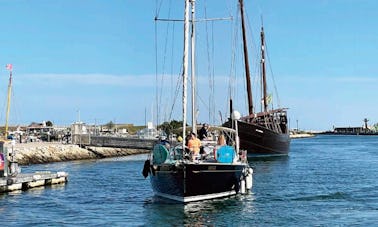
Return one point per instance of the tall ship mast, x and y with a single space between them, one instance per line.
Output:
265 132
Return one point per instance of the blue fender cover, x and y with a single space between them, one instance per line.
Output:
160 154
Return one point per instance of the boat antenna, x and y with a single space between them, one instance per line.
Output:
246 63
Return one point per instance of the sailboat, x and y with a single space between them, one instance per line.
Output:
265 132
222 170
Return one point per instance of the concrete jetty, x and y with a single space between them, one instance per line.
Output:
46 152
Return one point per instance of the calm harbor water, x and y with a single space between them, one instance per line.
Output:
326 180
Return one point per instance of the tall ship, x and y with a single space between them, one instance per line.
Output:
198 170
265 132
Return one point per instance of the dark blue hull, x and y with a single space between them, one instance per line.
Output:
189 182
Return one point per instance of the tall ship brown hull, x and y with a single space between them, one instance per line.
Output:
258 140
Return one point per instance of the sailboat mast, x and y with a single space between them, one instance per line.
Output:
246 63
194 120
185 69
8 103
263 71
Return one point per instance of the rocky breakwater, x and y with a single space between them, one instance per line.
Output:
34 153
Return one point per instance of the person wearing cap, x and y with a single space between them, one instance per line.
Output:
194 145
165 142
203 132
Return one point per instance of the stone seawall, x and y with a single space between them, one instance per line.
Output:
33 153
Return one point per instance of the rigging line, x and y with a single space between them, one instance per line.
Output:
15 109
163 68
159 94
203 102
230 7
171 74
208 54
177 90
274 82
157 7
232 76
255 59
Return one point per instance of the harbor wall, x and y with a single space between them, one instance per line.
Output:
45 152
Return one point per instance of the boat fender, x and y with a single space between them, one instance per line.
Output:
153 170
146 168
242 186
249 179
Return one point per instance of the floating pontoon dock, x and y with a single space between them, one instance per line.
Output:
24 181
11 178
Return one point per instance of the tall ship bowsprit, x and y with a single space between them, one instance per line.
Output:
265 132
188 172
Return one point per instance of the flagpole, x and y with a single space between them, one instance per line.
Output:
9 67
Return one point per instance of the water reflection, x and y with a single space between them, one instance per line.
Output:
268 158
203 213
269 164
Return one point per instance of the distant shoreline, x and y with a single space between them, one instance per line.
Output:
302 135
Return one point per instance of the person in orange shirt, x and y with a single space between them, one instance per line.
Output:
194 145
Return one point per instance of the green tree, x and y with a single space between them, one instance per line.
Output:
49 123
110 125
170 127
375 127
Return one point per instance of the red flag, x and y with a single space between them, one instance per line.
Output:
9 67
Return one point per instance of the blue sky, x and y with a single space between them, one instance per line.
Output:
97 58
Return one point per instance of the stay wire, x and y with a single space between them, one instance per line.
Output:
271 72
